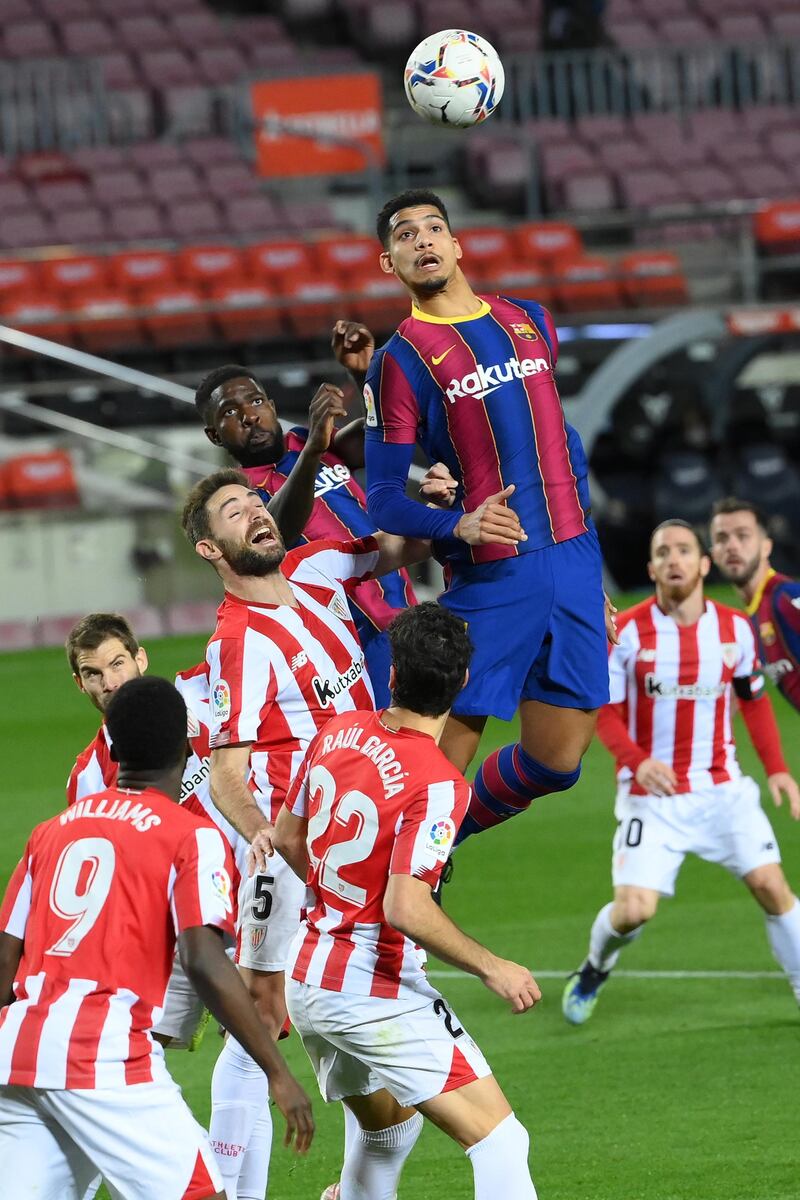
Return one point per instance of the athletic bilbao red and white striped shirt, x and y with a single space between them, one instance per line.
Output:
98 899
277 674
379 802
675 683
94 768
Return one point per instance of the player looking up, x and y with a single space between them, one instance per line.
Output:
369 821
284 658
680 661
471 379
740 548
83 1086
239 416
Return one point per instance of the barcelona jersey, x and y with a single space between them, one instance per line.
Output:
775 616
478 394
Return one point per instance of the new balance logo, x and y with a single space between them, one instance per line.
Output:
484 380
298 661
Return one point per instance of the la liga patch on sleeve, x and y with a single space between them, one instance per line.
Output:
221 700
440 838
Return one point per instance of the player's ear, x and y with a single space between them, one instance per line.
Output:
385 261
207 550
651 572
705 565
457 245
767 547
141 660
466 678
392 680
212 435
78 683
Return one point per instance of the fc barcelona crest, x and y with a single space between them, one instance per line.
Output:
523 330
767 631
257 938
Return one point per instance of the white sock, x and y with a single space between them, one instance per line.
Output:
375 1159
604 941
784 938
239 1093
254 1175
500 1163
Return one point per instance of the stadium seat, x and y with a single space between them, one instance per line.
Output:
17 277
176 318
347 257
525 283
70 275
14 196
586 284
546 241
652 277
277 262
19 230
57 195
251 216
88 35
686 484
118 69
227 179
218 65
167 68
378 300
37 314
765 180
193 220
777 227
139 221
95 160
80 226
149 154
246 311
29 39
211 266
764 474
174 182
143 31
210 152
143 269
649 188
45 480
104 320
312 305
488 252
589 191
118 185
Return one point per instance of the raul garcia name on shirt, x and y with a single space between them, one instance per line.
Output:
376 750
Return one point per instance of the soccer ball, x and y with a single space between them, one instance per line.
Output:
454 78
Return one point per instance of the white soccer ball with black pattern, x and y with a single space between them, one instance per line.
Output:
454 78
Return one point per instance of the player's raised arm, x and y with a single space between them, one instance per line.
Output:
221 989
410 908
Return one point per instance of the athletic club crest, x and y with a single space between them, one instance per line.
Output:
257 938
730 654
524 330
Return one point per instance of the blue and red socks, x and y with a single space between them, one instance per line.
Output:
506 784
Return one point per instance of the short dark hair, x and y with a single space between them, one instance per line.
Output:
731 504
146 721
681 524
431 649
94 629
194 517
215 379
411 198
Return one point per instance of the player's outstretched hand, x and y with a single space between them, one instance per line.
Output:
513 983
492 521
656 777
438 486
261 848
296 1108
611 611
327 405
780 784
353 345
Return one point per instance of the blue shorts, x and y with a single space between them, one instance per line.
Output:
378 659
538 626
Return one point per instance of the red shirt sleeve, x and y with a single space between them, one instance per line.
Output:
613 733
202 893
427 831
16 906
759 717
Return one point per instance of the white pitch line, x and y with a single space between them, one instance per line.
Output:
445 974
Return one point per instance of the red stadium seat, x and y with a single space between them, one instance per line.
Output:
487 253
16 635
17 276
211 265
312 305
35 313
546 241
653 277
346 257
143 269
379 300
279 262
104 320
777 227
70 275
586 284
175 320
247 312
41 480
525 283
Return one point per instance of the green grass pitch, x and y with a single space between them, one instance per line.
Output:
679 1088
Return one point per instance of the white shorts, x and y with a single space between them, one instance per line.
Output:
724 824
184 1013
142 1138
413 1046
269 916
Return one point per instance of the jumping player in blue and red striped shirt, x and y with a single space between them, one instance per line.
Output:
470 379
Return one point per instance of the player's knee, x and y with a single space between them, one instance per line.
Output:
548 776
633 909
770 888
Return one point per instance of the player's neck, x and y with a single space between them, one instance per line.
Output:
166 781
260 589
683 612
457 299
753 585
403 718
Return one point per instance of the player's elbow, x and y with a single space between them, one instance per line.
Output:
401 907
199 949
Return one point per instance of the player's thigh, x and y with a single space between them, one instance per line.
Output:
142 1138
414 1045
555 736
647 850
379 1110
507 630
571 667
269 916
340 1074
470 1113
460 740
183 1013
37 1156
739 835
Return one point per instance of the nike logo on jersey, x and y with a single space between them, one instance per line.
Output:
481 382
330 476
437 358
